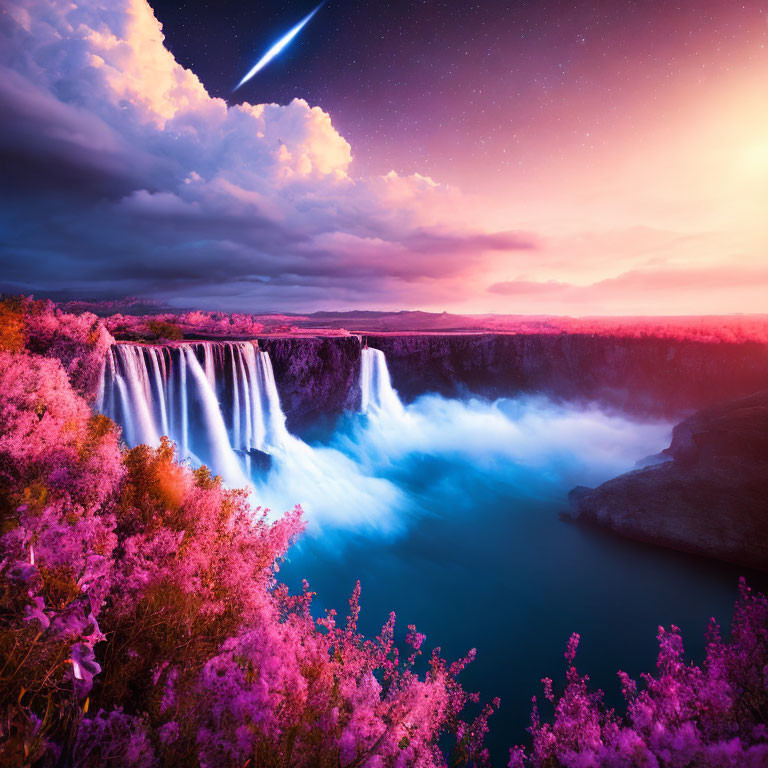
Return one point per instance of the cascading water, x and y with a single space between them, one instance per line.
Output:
376 392
217 400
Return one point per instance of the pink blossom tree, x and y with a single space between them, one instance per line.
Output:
141 620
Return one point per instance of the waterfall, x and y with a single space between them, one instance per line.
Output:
217 401
222 458
376 392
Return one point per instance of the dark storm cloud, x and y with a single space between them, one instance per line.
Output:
123 177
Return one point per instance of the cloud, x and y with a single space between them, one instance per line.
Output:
634 291
531 288
125 177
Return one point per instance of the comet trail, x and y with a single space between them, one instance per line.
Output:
279 46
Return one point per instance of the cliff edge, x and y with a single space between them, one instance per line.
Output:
709 497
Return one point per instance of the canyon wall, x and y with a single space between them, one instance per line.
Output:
318 377
641 375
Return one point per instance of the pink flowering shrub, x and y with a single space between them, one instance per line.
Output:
59 465
141 620
78 341
711 715
172 327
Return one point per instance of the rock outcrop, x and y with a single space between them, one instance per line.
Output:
709 497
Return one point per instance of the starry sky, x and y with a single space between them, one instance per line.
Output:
475 94
558 157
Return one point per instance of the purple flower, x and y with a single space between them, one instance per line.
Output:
35 612
84 667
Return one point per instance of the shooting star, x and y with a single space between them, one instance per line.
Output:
279 46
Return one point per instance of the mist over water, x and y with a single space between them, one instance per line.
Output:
219 402
386 465
382 468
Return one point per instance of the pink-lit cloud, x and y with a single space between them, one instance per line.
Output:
684 290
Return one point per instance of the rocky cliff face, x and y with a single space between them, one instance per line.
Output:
710 496
641 375
318 377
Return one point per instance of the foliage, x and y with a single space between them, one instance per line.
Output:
78 341
711 715
162 329
141 620
174 327
12 336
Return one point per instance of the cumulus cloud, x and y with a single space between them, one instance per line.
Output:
125 177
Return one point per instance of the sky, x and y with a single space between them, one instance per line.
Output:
547 157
